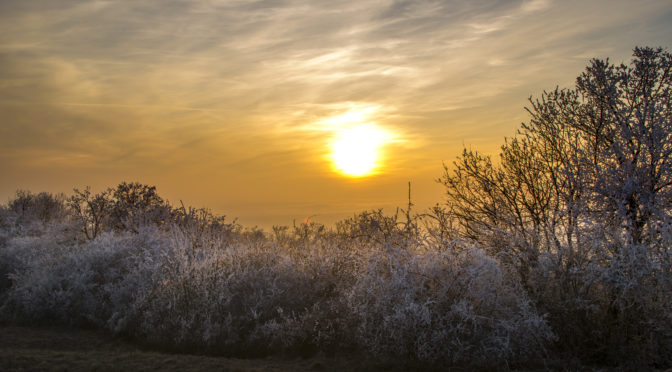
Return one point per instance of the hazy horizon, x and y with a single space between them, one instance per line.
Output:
237 105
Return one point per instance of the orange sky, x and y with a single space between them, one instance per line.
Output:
235 105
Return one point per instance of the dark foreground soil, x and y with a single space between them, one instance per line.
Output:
66 349
73 350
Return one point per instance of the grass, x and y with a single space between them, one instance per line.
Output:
73 350
67 349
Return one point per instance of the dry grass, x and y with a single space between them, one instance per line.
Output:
73 350
66 349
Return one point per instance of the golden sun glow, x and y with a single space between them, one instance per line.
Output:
356 150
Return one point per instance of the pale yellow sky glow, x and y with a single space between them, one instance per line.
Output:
245 107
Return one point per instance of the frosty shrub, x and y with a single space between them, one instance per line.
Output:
95 283
236 288
28 231
44 206
616 305
254 296
203 286
454 306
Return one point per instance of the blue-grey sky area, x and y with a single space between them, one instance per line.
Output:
236 105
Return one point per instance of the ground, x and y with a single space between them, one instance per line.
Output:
73 350
66 349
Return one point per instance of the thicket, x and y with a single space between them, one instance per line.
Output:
558 249
187 280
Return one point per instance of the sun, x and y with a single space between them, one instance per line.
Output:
356 150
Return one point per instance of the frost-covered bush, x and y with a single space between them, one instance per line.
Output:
44 206
445 307
253 297
236 289
639 283
22 241
94 283
616 308
245 294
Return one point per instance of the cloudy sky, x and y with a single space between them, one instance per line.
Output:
236 105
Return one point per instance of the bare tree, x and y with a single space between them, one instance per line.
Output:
134 205
599 152
580 203
90 210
